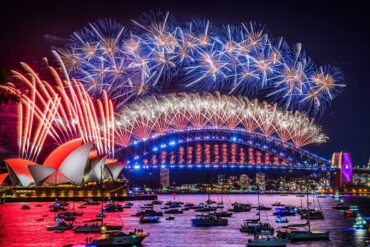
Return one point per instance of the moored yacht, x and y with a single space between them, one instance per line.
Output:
241 207
266 239
208 220
255 226
149 219
120 239
96 227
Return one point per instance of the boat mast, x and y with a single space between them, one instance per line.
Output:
258 201
308 209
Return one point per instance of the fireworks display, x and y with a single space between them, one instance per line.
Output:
157 115
157 53
63 110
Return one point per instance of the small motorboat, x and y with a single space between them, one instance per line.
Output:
340 206
156 202
25 206
61 225
209 220
313 215
266 239
148 212
278 204
280 220
174 211
120 239
40 219
149 219
300 195
263 208
170 217
201 207
240 207
91 202
321 196
112 207
222 213
38 205
100 215
360 222
350 213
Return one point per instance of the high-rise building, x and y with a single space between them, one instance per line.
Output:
261 181
244 181
164 178
221 179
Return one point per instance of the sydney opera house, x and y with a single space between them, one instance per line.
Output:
72 162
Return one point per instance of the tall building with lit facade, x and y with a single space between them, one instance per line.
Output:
261 181
164 178
244 181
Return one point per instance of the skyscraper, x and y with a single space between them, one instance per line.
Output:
261 181
164 178
244 181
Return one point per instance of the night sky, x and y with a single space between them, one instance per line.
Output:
331 33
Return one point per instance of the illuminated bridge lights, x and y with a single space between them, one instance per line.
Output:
216 166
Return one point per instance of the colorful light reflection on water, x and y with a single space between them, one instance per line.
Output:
20 228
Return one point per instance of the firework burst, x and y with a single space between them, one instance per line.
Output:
197 56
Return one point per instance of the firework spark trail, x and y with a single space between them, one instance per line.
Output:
139 119
195 55
64 112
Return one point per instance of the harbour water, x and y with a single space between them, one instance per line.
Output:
20 227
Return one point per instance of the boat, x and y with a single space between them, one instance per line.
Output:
263 208
240 207
61 225
266 239
82 206
280 220
201 207
170 217
149 219
174 211
57 208
40 219
96 228
340 206
25 206
255 226
313 215
293 234
300 195
38 205
222 213
157 202
350 213
208 220
321 196
120 239
100 215
128 205
278 204
112 207
286 211
360 222
91 202
148 212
